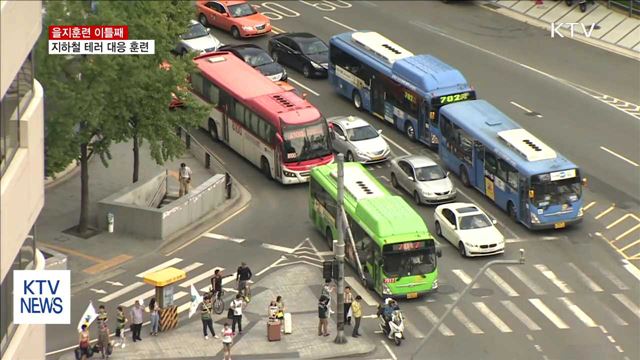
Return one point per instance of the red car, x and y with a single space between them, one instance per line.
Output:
237 17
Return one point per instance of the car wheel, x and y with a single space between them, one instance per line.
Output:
349 156
203 20
274 56
235 33
462 250
464 176
416 198
213 130
306 71
329 238
357 99
438 229
511 211
266 170
410 131
394 181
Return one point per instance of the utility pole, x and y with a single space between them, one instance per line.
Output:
455 303
339 254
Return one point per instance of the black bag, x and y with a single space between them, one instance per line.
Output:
109 349
230 314
78 353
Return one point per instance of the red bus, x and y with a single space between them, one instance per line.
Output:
278 131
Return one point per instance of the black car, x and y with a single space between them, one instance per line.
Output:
259 59
301 51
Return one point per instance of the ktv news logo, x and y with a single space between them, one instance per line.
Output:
41 296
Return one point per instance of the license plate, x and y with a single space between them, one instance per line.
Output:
412 295
559 225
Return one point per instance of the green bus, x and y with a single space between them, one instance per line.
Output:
387 242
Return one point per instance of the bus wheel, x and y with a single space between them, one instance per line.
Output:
462 250
306 71
349 156
416 198
235 33
357 99
438 229
213 130
266 170
464 176
329 238
511 211
410 131
394 181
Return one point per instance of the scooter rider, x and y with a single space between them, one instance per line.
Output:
386 311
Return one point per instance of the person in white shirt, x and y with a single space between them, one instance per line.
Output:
237 304
184 177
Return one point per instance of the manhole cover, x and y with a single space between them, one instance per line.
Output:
446 289
481 292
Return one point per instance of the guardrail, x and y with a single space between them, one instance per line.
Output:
630 6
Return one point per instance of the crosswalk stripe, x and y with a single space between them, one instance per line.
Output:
617 319
466 279
553 278
501 283
484 309
470 325
200 277
585 279
555 319
628 303
611 276
360 290
586 319
526 320
444 329
190 267
142 296
164 265
412 329
526 280
120 292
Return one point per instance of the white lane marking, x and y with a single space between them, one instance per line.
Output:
444 329
386 346
585 279
360 290
470 325
326 253
553 278
620 349
619 156
114 283
555 319
527 280
526 320
523 108
412 329
632 269
603 329
205 275
628 303
405 151
284 249
611 339
466 279
580 88
339 23
120 292
98 291
275 264
143 296
617 319
611 276
190 267
164 265
495 320
303 86
501 283
575 309
223 237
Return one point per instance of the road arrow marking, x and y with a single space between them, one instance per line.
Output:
99 291
115 283
372 316
223 237
278 248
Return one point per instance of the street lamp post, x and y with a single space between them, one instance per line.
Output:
469 285
339 254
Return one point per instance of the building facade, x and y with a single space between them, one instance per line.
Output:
21 168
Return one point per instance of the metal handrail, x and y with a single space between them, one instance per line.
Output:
631 6
164 183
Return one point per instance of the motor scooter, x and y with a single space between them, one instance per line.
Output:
393 329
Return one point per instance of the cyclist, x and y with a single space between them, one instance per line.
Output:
243 276
216 284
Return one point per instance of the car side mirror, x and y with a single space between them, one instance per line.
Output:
340 137
254 7
225 14
296 52
380 131
494 221
448 173
438 252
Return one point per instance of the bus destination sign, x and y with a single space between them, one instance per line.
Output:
452 98
409 246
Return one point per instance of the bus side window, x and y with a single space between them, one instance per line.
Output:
197 83
239 112
490 163
211 92
479 150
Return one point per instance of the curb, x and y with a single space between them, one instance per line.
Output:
354 353
58 178
491 6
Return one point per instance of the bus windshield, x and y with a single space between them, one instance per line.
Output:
413 262
305 142
556 192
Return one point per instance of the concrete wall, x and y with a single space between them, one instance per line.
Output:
141 195
161 223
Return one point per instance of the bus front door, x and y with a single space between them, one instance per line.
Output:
477 178
377 98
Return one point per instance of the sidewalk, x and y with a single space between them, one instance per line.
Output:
90 259
617 33
301 299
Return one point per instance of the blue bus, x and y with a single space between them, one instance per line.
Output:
393 84
522 175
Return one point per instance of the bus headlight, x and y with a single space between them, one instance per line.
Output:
534 219
385 289
580 212
288 173
435 284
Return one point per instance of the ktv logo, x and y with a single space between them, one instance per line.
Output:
41 296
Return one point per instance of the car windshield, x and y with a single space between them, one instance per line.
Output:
557 192
313 46
407 263
430 173
476 221
195 31
365 132
305 142
241 10
257 58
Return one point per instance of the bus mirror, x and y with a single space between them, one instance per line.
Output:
584 182
532 194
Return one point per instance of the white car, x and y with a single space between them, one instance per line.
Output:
357 140
197 39
469 229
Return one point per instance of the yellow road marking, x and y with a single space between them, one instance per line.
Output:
621 219
588 206
627 232
630 245
613 206
107 264
72 252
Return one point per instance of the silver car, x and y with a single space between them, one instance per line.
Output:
422 178
357 140
197 39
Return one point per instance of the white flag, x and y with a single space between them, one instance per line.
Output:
196 299
87 318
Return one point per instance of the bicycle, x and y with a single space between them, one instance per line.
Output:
218 303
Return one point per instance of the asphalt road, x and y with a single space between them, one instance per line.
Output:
577 299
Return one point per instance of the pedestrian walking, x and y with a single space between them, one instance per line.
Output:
348 299
154 313
356 310
227 341
83 352
121 320
323 315
243 276
184 177
206 307
237 305
102 316
137 313
280 305
104 343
